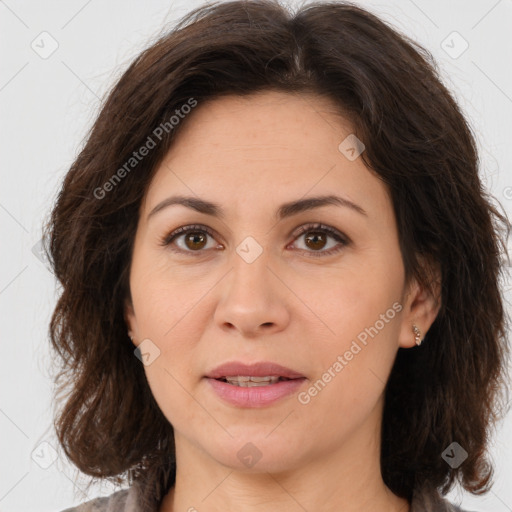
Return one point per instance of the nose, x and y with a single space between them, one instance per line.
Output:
253 299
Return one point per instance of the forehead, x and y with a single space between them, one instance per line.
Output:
263 123
263 148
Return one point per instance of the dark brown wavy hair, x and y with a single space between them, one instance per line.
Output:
417 141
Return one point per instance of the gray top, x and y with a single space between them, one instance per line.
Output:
126 500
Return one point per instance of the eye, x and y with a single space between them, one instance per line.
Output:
193 239
315 237
190 239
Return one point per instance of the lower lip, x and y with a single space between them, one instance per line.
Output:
256 396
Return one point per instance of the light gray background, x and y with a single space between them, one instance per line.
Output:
47 105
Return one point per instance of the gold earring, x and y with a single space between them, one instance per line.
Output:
417 335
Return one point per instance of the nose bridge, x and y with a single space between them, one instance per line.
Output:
250 296
250 274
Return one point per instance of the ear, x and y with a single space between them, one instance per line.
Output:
130 320
420 306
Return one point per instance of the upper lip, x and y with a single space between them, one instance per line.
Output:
258 369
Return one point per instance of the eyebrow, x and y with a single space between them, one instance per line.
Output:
285 210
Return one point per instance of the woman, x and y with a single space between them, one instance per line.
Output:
280 274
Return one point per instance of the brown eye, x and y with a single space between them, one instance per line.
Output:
190 239
316 241
317 237
195 240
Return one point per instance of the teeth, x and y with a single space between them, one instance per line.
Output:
249 382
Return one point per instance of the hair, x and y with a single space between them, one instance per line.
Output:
417 142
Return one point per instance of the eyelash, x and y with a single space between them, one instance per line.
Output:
315 227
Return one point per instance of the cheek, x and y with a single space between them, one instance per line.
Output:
167 310
354 361
352 299
351 378
173 400
163 294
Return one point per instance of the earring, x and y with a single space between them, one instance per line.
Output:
417 335
130 335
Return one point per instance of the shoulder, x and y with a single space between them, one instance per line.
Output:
430 500
117 502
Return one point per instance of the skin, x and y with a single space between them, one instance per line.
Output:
209 305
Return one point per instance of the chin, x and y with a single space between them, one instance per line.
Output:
255 451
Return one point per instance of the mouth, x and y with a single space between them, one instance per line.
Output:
262 372
253 385
248 381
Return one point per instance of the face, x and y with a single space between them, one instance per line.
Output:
317 288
